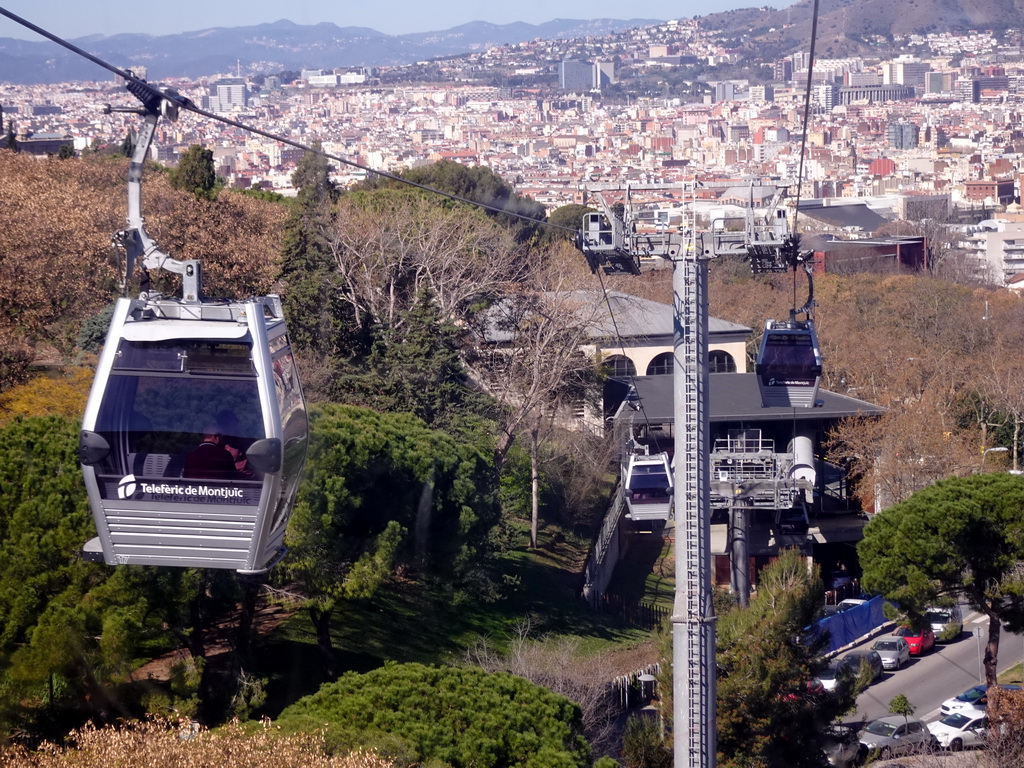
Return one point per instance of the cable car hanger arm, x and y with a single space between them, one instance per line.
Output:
139 246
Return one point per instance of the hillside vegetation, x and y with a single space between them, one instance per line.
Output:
409 540
57 269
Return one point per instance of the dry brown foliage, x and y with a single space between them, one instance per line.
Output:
161 743
56 221
1005 742
237 238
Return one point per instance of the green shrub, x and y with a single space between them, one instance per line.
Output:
457 717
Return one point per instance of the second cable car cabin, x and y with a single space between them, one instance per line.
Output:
789 365
178 388
648 486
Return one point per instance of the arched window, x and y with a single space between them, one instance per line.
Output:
721 362
660 365
619 366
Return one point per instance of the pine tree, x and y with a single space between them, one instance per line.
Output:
420 372
318 323
128 145
766 715
195 173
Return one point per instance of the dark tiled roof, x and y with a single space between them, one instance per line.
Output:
855 215
634 318
735 397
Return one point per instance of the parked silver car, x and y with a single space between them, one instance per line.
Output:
896 734
894 650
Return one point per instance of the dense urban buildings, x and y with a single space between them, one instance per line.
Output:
554 118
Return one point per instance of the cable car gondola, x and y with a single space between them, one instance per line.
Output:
195 431
788 364
648 486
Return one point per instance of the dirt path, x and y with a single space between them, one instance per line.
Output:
218 641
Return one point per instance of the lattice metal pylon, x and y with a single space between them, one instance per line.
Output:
693 627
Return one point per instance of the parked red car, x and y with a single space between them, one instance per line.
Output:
919 641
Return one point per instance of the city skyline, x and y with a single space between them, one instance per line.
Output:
72 19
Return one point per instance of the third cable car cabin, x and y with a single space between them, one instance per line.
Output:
789 364
648 486
195 431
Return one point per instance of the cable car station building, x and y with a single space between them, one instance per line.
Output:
638 341
765 461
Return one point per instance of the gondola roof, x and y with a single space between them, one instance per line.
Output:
735 397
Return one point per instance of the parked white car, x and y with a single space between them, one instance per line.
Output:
894 650
972 701
965 700
961 729
939 619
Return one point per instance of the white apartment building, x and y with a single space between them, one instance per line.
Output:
906 70
997 249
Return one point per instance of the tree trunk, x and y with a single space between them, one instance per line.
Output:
322 624
1016 439
246 618
501 449
195 637
534 486
992 649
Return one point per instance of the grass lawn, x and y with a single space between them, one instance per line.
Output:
647 571
410 622
1014 674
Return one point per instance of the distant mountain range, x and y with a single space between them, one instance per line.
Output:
849 27
275 47
845 28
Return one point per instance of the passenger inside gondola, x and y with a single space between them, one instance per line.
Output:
210 460
649 485
230 429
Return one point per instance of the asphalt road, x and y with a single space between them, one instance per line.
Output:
946 671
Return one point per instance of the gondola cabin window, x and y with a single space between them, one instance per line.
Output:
171 407
790 355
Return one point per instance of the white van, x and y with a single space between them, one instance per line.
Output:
940 618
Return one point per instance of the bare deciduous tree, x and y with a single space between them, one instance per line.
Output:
532 360
558 664
389 246
903 451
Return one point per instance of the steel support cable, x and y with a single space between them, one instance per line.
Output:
144 91
622 348
803 137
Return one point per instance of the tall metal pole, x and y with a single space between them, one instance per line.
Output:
693 628
739 553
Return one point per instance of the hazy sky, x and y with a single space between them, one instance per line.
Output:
78 18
